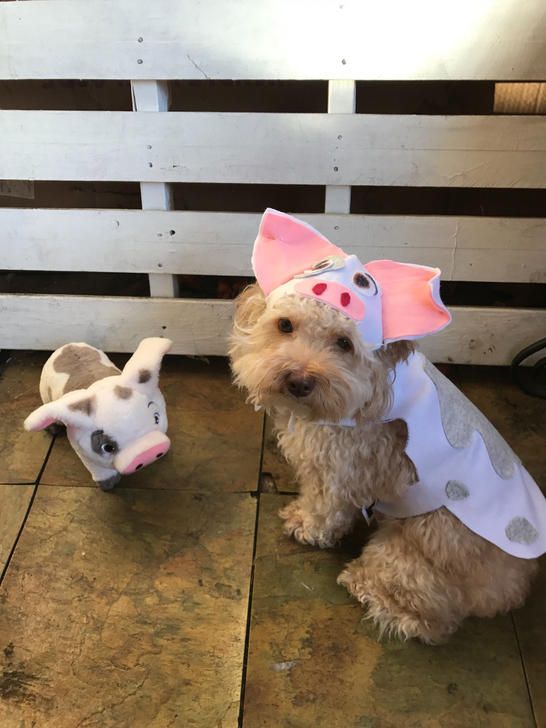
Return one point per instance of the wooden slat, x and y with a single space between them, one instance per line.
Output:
218 243
273 39
331 149
341 100
154 96
476 336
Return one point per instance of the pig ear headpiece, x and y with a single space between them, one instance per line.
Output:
388 301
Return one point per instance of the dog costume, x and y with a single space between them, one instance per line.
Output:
462 462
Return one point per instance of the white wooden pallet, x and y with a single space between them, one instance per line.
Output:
152 43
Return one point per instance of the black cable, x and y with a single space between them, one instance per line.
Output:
531 379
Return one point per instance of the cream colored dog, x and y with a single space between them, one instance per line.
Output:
356 412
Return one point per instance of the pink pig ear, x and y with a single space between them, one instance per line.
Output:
285 247
411 304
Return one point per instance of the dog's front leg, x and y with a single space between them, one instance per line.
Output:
320 516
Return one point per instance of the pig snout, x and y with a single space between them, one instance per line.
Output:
142 452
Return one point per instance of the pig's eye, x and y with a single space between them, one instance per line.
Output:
156 418
366 284
103 444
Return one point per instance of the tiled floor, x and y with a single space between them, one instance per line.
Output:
177 601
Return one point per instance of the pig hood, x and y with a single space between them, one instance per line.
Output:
388 301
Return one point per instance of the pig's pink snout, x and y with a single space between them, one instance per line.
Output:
142 452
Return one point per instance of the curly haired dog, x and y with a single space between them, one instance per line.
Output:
322 343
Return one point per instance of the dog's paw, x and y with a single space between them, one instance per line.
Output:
389 616
352 581
303 528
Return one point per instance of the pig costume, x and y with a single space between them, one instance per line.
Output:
463 464
115 420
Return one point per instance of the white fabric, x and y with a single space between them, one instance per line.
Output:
342 271
507 511
493 495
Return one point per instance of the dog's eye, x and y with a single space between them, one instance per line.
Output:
285 325
344 343
108 448
156 418
365 283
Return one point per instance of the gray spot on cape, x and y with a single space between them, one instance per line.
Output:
520 530
83 365
460 418
123 392
49 394
144 376
455 490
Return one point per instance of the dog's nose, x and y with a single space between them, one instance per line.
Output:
298 385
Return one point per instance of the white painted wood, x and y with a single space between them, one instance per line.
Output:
476 336
479 335
341 100
113 324
218 243
274 39
467 151
154 96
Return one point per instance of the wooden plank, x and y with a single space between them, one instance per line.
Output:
154 96
331 149
113 324
476 336
218 243
341 100
485 335
274 39
520 98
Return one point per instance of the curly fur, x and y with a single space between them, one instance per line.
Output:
418 577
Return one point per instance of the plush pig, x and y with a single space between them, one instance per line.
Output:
115 420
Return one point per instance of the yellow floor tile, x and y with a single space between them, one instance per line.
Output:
314 660
14 502
22 454
126 610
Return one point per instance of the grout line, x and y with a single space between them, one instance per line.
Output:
251 586
27 514
525 673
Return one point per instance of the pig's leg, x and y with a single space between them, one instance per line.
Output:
110 482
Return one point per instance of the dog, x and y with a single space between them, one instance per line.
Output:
326 346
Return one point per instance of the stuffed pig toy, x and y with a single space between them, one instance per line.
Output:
115 420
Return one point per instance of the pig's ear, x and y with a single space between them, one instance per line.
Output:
410 299
142 369
74 409
286 246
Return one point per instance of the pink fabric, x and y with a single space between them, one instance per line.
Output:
410 306
334 294
42 424
147 457
285 247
